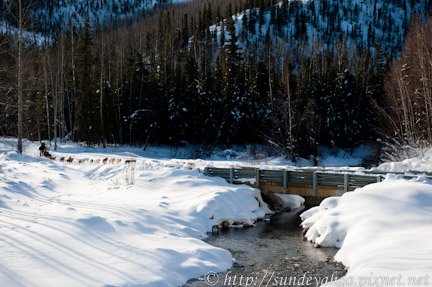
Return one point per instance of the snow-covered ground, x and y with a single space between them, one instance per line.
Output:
253 155
383 231
419 159
121 224
141 223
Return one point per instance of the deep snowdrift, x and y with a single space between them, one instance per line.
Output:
121 224
383 229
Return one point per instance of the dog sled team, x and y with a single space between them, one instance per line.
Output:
43 151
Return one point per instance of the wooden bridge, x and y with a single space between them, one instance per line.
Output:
314 185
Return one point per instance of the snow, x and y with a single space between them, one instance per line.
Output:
290 201
141 223
421 162
29 37
94 224
361 24
342 158
74 12
247 180
239 156
382 229
258 157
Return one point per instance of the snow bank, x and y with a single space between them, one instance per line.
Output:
112 225
382 229
418 159
422 163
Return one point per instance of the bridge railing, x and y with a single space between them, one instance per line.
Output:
312 178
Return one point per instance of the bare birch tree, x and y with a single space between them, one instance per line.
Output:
19 77
409 87
101 94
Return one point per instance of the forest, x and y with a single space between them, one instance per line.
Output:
216 73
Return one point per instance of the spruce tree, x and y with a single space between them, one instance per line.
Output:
86 110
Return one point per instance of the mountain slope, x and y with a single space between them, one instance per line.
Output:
296 25
48 16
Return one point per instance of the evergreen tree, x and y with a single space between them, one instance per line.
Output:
86 115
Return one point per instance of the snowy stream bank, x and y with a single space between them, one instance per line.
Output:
113 225
91 224
383 231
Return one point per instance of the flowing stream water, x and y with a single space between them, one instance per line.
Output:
273 253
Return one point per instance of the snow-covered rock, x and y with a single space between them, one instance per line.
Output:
289 201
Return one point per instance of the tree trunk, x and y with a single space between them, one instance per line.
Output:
47 100
101 88
74 85
19 84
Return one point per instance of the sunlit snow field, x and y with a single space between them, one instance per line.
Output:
94 224
140 223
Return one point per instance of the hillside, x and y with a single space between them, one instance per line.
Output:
298 75
49 16
361 24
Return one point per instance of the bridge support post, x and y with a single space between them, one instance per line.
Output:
314 181
257 177
285 180
346 182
